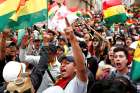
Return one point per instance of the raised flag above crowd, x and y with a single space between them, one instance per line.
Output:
7 9
114 11
20 14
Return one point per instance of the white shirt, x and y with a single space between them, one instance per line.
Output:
46 81
76 86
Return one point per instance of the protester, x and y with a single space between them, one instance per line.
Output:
85 54
121 63
53 70
73 70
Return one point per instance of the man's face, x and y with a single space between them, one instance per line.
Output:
120 60
116 27
67 69
37 44
51 36
61 42
11 52
59 52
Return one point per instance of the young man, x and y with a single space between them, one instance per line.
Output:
73 70
121 63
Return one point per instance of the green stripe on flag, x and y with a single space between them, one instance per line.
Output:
119 18
29 20
4 20
135 71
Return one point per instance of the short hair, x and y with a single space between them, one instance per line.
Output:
50 31
130 86
122 49
109 86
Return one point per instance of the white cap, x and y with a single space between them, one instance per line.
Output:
54 89
11 71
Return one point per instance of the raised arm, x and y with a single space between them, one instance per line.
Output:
23 55
78 56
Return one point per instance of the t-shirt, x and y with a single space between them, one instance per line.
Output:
76 86
117 74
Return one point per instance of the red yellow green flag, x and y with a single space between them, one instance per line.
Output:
7 8
28 13
135 71
114 12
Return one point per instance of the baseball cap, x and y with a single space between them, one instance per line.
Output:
68 58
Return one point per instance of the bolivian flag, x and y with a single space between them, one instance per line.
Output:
114 12
135 71
7 8
29 12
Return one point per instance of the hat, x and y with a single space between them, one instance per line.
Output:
54 89
68 58
11 71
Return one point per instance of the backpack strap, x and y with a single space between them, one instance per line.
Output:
49 73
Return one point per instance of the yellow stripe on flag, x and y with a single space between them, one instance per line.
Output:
112 11
137 53
8 6
31 6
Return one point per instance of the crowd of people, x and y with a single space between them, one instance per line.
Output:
87 57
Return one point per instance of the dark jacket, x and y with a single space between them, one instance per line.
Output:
39 70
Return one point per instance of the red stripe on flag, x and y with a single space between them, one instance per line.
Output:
111 3
21 3
1 1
